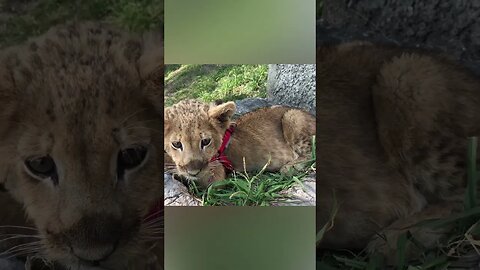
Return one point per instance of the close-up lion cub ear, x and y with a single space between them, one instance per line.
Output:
151 61
222 113
8 100
150 67
166 118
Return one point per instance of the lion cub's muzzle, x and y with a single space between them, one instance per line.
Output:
194 167
94 238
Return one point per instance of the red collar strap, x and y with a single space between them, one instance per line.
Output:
220 156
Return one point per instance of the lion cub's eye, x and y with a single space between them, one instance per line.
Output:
177 145
131 157
42 167
205 142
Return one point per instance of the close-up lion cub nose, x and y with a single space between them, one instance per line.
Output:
90 243
194 167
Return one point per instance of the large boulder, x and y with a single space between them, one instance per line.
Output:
250 104
292 85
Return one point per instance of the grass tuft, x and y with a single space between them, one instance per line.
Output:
214 82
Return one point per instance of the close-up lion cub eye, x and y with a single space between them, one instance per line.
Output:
177 145
42 167
130 158
205 142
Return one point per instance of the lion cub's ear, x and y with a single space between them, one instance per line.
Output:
8 100
150 66
222 113
151 61
9 97
166 120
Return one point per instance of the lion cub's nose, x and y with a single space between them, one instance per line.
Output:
94 254
194 167
193 172
95 238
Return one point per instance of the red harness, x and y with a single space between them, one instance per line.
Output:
220 156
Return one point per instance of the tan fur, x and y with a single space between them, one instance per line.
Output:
80 93
279 136
392 148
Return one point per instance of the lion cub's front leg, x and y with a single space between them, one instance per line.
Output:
385 242
298 129
216 173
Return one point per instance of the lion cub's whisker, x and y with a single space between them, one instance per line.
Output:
19 237
18 227
21 247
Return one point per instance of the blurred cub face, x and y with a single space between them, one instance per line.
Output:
81 143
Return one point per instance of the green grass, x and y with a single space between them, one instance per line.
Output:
454 253
24 19
214 82
319 7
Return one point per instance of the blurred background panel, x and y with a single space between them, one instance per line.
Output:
234 238
239 32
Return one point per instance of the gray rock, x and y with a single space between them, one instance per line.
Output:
176 194
11 264
250 104
292 85
300 195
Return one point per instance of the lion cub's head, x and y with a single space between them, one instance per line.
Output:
193 135
80 144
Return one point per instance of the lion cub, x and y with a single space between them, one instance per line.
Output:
205 144
392 148
79 147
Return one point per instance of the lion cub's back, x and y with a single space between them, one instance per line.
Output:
259 135
268 118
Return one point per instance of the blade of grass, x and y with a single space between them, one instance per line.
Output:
375 261
438 223
401 251
330 221
471 196
356 264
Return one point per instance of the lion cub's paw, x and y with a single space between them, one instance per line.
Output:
217 173
293 167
